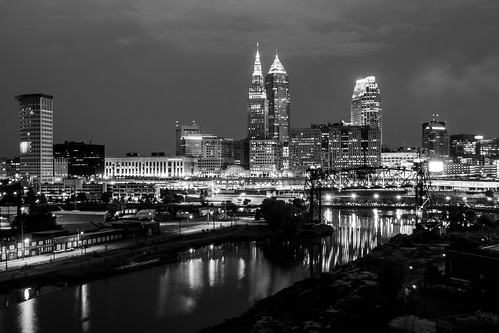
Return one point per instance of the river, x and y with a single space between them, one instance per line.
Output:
206 285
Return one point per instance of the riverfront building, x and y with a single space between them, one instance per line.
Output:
36 133
366 104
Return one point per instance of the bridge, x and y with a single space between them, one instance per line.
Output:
416 179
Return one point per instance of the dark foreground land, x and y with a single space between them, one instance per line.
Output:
399 287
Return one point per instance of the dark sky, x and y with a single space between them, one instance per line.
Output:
123 71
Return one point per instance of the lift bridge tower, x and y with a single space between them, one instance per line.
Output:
313 190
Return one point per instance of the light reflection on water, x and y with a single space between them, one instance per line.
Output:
207 285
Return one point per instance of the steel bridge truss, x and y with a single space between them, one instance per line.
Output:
319 180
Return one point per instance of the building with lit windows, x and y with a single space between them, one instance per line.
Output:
353 146
258 121
277 90
151 167
36 132
265 158
435 140
304 149
3 167
366 104
188 140
216 155
399 159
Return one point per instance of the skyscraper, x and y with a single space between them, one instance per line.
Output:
277 89
435 140
257 103
36 137
366 104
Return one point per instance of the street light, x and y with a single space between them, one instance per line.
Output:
26 244
80 242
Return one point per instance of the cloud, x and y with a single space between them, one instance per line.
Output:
438 79
322 28
227 26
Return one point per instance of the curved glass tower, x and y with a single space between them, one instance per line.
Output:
366 104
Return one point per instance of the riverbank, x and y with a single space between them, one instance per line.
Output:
156 251
398 287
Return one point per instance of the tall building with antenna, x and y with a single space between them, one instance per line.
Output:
366 104
257 103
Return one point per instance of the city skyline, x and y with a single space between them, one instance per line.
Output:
116 68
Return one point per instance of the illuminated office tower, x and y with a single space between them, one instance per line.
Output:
36 137
257 103
188 140
366 104
435 140
277 88
304 149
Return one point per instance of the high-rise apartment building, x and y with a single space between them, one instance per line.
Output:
277 89
36 133
435 140
258 121
366 104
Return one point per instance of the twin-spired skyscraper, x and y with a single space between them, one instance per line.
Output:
269 102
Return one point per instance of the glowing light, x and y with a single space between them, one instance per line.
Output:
24 147
26 294
436 166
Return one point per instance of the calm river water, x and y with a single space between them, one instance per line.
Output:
206 286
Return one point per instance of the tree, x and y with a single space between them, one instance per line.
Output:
281 215
39 220
30 197
479 322
106 197
392 277
81 196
